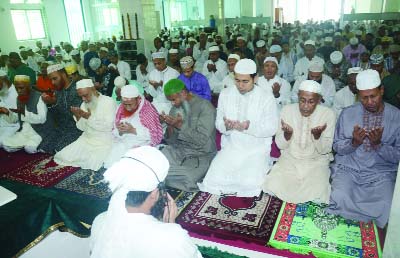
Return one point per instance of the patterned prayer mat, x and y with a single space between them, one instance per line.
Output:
10 161
40 170
305 228
229 217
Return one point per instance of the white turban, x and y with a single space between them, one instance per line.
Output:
275 49
271 59
246 66
54 68
84 83
316 66
353 70
234 56
119 82
213 49
368 79
157 55
260 43
129 92
336 57
310 86
309 42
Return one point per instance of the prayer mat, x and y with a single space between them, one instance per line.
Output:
40 171
229 217
88 182
10 161
305 228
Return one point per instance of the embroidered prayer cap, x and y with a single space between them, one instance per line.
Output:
310 86
119 82
54 68
368 79
246 66
353 70
129 92
104 49
336 57
71 68
137 171
353 41
394 48
84 83
316 66
271 59
94 63
260 43
158 55
186 62
175 40
22 78
376 58
75 52
234 56
173 51
173 86
3 73
240 38
213 49
275 49
309 42
328 39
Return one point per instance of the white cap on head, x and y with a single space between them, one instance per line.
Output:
137 171
337 33
271 59
158 55
358 32
104 49
241 38
119 82
328 39
192 40
2 73
316 66
353 41
336 57
84 83
260 43
54 68
186 62
310 86
74 52
234 56
175 40
275 49
173 51
129 92
213 49
368 79
94 63
353 70
309 42
246 66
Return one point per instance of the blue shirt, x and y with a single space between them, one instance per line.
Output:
197 84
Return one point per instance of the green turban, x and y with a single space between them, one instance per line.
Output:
173 86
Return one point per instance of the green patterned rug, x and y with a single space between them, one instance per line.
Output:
305 228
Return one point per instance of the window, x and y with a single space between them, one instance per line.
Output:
28 24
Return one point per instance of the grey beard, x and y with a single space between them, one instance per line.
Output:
93 103
4 90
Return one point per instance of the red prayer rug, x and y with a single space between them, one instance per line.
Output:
229 217
10 161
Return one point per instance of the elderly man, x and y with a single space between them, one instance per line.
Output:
31 113
194 82
190 136
95 119
336 67
157 79
274 84
348 95
376 62
367 146
315 73
136 124
8 100
215 69
302 65
353 51
229 80
15 66
140 212
123 67
305 140
247 117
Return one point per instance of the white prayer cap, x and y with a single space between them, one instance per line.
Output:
94 63
129 92
75 52
353 70
368 79
309 42
158 55
260 43
275 49
376 58
358 32
353 41
54 68
213 49
91 43
337 33
2 73
173 51
104 49
119 82
246 66
137 170
336 57
210 37
22 78
316 66
186 62
192 40
303 31
271 59
234 56
310 86
241 38
175 40
328 39
84 83
318 33
36 49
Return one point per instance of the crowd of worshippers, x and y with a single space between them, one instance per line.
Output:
313 94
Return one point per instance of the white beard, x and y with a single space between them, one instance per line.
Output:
93 103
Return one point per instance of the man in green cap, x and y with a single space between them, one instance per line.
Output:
190 136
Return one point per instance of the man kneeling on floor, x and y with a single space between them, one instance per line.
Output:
130 227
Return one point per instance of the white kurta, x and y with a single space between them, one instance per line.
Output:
215 78
200 56
160 102
302 65
91 149
343 98
7 126
328 90
124 69
286 66
284 92
142 78
302 171
240 167
229 80
27 138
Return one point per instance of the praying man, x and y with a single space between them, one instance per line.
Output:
8 100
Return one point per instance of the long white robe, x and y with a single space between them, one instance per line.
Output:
215 78
124 69
302 65
143 79
229 80
240 167
91 149
200 56
285 90
343 98
7 126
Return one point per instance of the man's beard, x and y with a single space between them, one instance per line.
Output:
4 90
93 103
157 210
